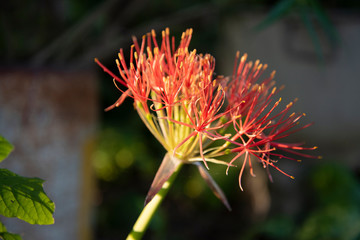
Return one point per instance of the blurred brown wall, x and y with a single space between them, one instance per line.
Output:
50 117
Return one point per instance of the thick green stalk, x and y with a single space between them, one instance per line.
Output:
147 213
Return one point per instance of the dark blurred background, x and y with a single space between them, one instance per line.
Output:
98 166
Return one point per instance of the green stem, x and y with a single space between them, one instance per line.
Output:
147 213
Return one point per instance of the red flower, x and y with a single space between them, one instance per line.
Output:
187 109
258 128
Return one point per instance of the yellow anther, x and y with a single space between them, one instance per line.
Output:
244 57
273 90
255 87
190 31
156 50
272 75
149 53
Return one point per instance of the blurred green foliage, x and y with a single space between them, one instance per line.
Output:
117 153
330 210
332 213
313 16
125 164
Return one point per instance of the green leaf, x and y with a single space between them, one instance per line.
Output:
280 10
25 199
305 15
9 236
5 235
5 148
2 227
325 22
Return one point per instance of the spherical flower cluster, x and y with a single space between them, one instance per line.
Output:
198 117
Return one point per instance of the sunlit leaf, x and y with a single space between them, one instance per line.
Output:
25 199
5 235
2 227
5 148
9 236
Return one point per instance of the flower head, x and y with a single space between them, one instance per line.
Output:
198 117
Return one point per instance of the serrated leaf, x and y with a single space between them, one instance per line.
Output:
5 148
5 235
25 199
